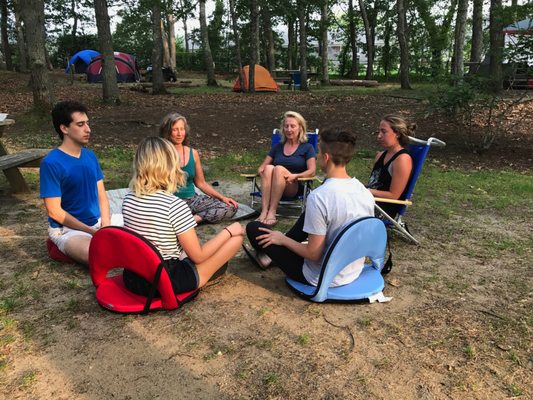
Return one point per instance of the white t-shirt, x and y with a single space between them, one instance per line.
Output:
159 217
329 208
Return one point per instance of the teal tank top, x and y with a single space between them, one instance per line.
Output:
187 191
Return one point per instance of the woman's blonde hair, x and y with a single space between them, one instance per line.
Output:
156 167
168 121
302 133
400 127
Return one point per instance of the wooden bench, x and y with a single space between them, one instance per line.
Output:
10 163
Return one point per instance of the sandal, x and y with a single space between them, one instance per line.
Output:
270 222
254 257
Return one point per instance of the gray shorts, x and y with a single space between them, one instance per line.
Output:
60 236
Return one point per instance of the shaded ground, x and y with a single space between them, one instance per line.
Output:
459 325
232 122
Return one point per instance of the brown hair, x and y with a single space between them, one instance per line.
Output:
338 143
400 127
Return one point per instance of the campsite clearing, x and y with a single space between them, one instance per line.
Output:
459 325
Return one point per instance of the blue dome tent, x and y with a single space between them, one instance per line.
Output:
81 60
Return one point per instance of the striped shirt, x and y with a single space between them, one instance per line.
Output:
159 217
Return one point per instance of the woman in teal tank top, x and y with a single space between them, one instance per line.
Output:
210 206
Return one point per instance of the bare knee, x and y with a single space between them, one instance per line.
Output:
267 172
77 248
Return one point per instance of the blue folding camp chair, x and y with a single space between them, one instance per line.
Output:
418 149
298 201
365 237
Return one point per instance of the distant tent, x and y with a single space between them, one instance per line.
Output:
524 27
126 66
263 81
81 60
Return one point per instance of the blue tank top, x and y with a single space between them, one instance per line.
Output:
187 191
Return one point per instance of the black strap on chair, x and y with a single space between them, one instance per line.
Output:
388 264
153 288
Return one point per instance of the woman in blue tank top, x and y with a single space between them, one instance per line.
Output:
289 160
211 206
393 166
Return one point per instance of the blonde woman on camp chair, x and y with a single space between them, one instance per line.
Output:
289 160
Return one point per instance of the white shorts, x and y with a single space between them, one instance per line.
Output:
60 236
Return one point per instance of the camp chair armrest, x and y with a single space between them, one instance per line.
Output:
311 178
392 201
249 176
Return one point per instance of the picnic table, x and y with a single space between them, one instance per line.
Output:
10 163
292 77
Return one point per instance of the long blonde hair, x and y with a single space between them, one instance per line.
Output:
156 167
302 133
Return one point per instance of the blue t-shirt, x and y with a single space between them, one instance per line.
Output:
74 180
297 161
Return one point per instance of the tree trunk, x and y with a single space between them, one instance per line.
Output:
290 43
109 74
477 35
404 45
254 43
157 50
269 36
386 50
172 40
237 41
32 12
75 18
164 42
369 42
459 41
354 70
48 62
21 40
208 57
302 12
6 50
324 80
186 39
496 44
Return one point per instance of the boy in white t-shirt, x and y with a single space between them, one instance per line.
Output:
339 200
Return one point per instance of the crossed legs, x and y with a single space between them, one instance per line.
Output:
274 185
210 266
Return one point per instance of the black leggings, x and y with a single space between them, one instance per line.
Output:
290 263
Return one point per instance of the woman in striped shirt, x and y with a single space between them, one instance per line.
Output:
166 221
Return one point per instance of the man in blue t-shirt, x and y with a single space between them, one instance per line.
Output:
72 185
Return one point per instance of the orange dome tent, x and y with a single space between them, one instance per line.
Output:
263 80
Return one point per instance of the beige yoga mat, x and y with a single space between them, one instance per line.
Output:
116 196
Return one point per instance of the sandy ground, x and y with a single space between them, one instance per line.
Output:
459 326
248 336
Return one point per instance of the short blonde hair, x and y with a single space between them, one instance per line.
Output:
302 133
156 167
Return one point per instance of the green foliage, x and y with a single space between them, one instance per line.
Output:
460 99
133 34
66 46
215 31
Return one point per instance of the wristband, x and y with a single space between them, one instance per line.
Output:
230 235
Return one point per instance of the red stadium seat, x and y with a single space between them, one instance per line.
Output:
118 247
